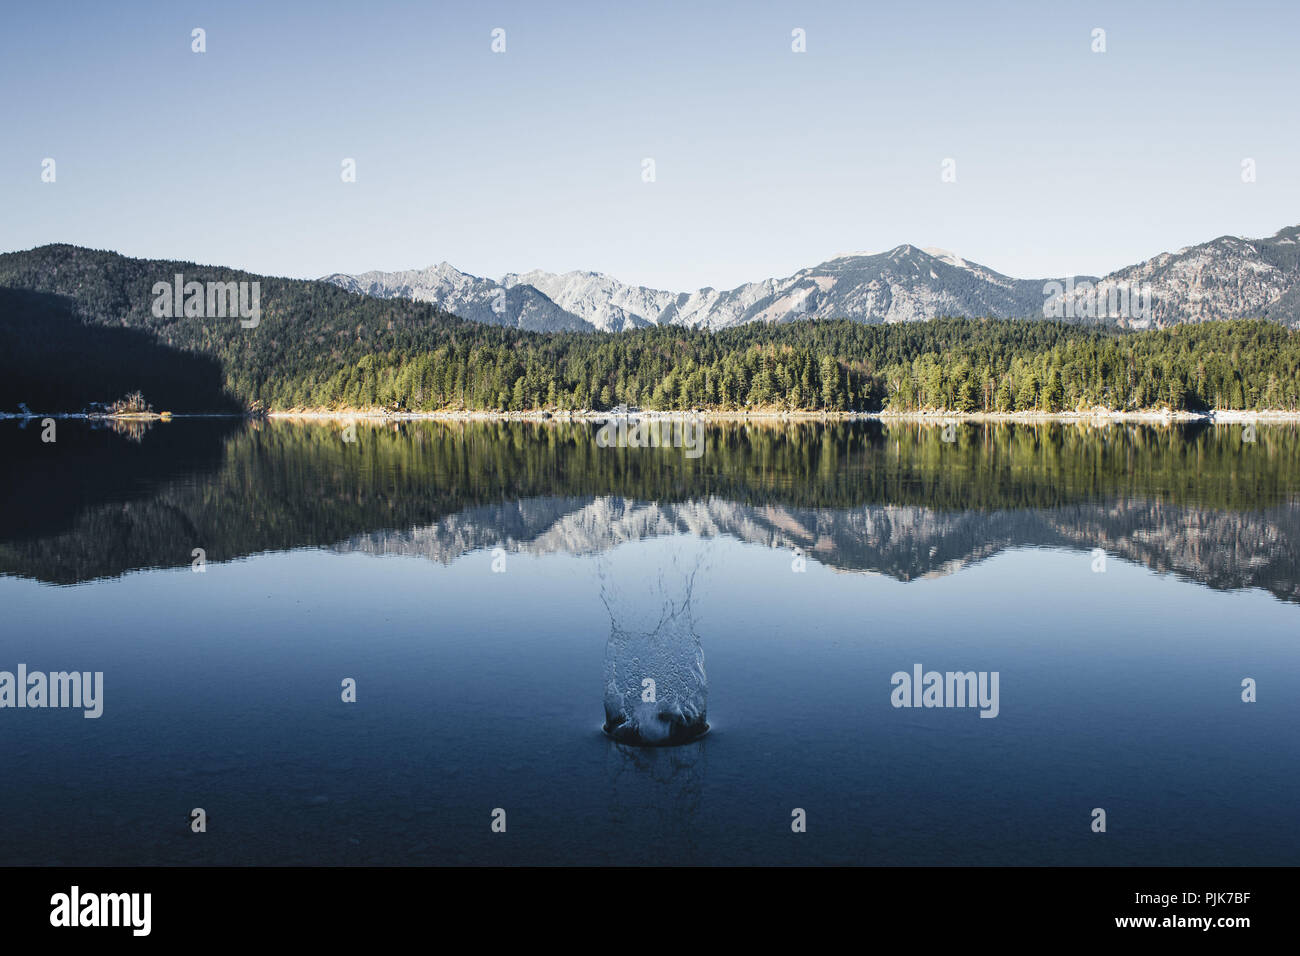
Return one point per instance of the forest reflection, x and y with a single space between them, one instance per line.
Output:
897 498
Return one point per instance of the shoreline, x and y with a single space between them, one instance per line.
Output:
1094 416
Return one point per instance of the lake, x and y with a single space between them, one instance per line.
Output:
495 595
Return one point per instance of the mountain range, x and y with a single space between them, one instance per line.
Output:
82 326
1225 278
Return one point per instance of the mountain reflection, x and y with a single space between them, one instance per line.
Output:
892 498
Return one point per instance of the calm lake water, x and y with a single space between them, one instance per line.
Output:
491 588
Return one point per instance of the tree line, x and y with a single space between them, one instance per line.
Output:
957 365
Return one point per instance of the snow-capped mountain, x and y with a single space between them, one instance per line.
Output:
600 300
479 300
1228 277
896 286
900 285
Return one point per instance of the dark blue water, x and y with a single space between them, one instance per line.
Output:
480 689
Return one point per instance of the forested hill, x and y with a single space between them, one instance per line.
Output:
317 345
307 330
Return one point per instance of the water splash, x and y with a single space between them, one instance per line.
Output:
656 690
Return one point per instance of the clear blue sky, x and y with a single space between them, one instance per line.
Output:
766 160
